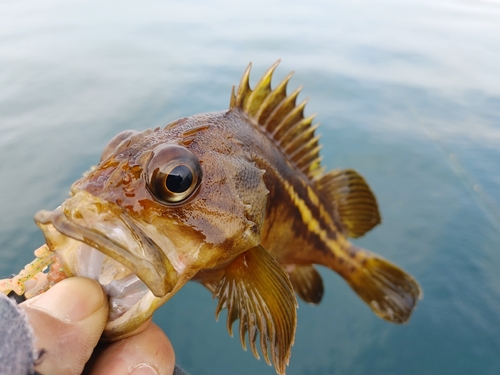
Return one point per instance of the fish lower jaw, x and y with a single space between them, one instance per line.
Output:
124 289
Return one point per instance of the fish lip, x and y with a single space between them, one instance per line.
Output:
158 275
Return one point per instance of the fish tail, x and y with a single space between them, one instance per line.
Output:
390 292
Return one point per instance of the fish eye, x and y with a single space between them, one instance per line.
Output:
173 174
179 179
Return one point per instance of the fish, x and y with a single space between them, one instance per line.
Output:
236 200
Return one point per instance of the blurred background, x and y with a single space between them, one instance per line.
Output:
407 92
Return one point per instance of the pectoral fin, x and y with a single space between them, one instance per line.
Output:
307 283
256 290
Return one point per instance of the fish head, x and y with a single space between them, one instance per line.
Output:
161 205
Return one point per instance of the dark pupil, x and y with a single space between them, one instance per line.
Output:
179 179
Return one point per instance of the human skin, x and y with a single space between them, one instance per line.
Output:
68 321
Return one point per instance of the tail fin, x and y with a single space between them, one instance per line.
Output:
390 292
387 289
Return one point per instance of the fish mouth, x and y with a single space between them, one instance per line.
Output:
96 239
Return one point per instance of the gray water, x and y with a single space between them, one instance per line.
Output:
407 92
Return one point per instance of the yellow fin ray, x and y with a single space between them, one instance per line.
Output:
293 117
257 290
356 203
309 159
279 116
281 111
261 91
243 90
274 98
304 148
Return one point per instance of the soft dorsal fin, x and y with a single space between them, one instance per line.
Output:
355 201
281 118
256 290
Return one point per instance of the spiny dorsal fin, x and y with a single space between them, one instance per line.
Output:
256 290
356 203
282 119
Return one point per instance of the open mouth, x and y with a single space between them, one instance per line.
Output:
122 286
93 238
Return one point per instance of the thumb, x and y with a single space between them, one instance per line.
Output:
68 321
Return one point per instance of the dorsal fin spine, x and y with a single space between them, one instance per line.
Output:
286 105
309 160
273 100
311 169
289 121
304 148
281 119
260 92
232 99
244 88
301 138
310 156
316 174
296 131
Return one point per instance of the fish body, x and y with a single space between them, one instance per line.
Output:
236 200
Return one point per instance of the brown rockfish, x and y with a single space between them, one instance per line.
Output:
236 200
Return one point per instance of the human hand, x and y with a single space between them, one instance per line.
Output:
68 321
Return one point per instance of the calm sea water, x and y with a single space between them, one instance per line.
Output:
408 93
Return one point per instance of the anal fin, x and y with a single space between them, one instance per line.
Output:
256 290
307 282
